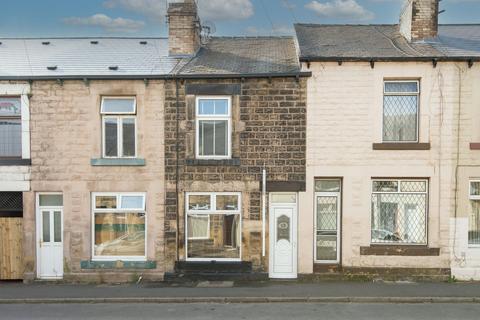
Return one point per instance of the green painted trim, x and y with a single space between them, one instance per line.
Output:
88 264
117 162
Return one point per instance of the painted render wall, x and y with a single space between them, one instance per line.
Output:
465 259
66 135
345 104
17 178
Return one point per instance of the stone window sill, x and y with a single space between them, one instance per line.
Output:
213 162
401 146
475 146
399 250
89 264
15 162
117 162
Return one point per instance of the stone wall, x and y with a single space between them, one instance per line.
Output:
66 135
269 123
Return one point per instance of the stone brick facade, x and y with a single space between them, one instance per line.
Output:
66 134
269 128
419 20
183 28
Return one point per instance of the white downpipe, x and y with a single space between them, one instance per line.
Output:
264 207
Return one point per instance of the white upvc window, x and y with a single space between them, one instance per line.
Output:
10 127
399 211
119 127
474 217
213 226
213 127
118 226
401 110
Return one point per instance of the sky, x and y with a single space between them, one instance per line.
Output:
146 18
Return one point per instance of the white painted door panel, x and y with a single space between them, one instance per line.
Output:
50 243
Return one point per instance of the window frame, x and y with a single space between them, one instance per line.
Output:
15 117
119 117
94 210
199 117
470 199
213 211
427 208
417 93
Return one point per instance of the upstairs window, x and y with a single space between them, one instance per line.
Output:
213 136
474 219
119 127
10 128
400 111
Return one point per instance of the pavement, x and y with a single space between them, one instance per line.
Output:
229 292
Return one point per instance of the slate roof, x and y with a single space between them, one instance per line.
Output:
245 55
79 57
335 42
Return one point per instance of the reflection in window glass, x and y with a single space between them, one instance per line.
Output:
283 198
327 185
198 226
116 105
475 188
119 234
132 202
399 217
199 202
227 202
111 137
105 202
474 223
46 226
213 137
57 225
385 186
224 238
51 200
128 126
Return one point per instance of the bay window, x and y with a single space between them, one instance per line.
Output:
399 211
213 123
119 127
119 226
213 226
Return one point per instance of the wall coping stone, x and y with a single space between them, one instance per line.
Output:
213 162
15 162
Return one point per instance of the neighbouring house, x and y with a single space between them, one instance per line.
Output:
147 154
391 133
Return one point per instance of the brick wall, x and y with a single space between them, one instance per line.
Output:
419 20
183 28
269 123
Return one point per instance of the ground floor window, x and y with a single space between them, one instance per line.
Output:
213 226
474 218
399 211
119 226
11 204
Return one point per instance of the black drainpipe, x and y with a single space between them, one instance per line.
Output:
177 169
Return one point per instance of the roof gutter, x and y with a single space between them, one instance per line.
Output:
388 59
158 77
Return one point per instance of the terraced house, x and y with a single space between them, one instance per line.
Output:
391 131
148 154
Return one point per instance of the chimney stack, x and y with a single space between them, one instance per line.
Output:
419 19
183 28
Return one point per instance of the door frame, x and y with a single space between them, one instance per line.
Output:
38 222
339 224
271 224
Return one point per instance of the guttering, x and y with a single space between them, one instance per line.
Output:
159 77
388 59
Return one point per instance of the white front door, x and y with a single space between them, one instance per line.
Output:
283 240
50 242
